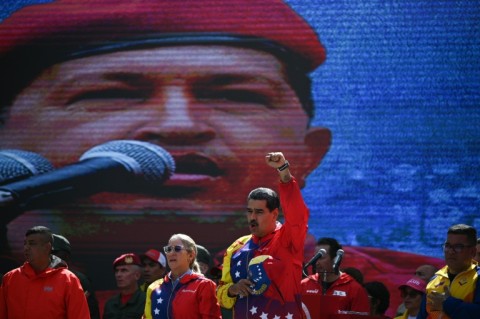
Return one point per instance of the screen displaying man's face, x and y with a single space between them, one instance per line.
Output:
216 111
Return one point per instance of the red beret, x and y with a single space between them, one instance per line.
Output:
78 23
127 259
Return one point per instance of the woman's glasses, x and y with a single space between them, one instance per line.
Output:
169 249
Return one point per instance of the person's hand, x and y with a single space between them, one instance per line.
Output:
436 299
275 159
241 288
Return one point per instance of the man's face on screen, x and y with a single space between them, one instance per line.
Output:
216 109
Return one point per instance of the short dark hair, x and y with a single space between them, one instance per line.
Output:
332 242
45 231
263 193
462 229
379 291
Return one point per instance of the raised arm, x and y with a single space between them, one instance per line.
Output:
277 160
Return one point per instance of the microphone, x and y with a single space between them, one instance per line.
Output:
116 166
321 252
16 165
337 261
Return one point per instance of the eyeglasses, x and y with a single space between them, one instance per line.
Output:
458 248
169 249
411 294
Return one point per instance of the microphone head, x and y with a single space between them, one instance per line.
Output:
150 162
322 251
340 252
17 164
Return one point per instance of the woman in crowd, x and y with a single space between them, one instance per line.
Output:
184 292
412 292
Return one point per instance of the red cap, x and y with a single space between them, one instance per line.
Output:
127 259
415 283
75 23
156 256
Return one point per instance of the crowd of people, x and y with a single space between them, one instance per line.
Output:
263 274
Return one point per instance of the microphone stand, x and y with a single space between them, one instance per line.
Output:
324 283
305 274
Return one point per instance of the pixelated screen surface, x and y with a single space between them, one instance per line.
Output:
399 90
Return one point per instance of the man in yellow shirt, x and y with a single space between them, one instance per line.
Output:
454 292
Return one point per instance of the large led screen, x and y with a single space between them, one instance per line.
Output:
384 138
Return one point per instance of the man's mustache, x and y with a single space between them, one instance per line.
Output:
253 223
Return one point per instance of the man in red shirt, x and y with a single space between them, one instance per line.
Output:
262 272
42 287
348 295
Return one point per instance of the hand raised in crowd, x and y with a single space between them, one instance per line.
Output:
277 160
